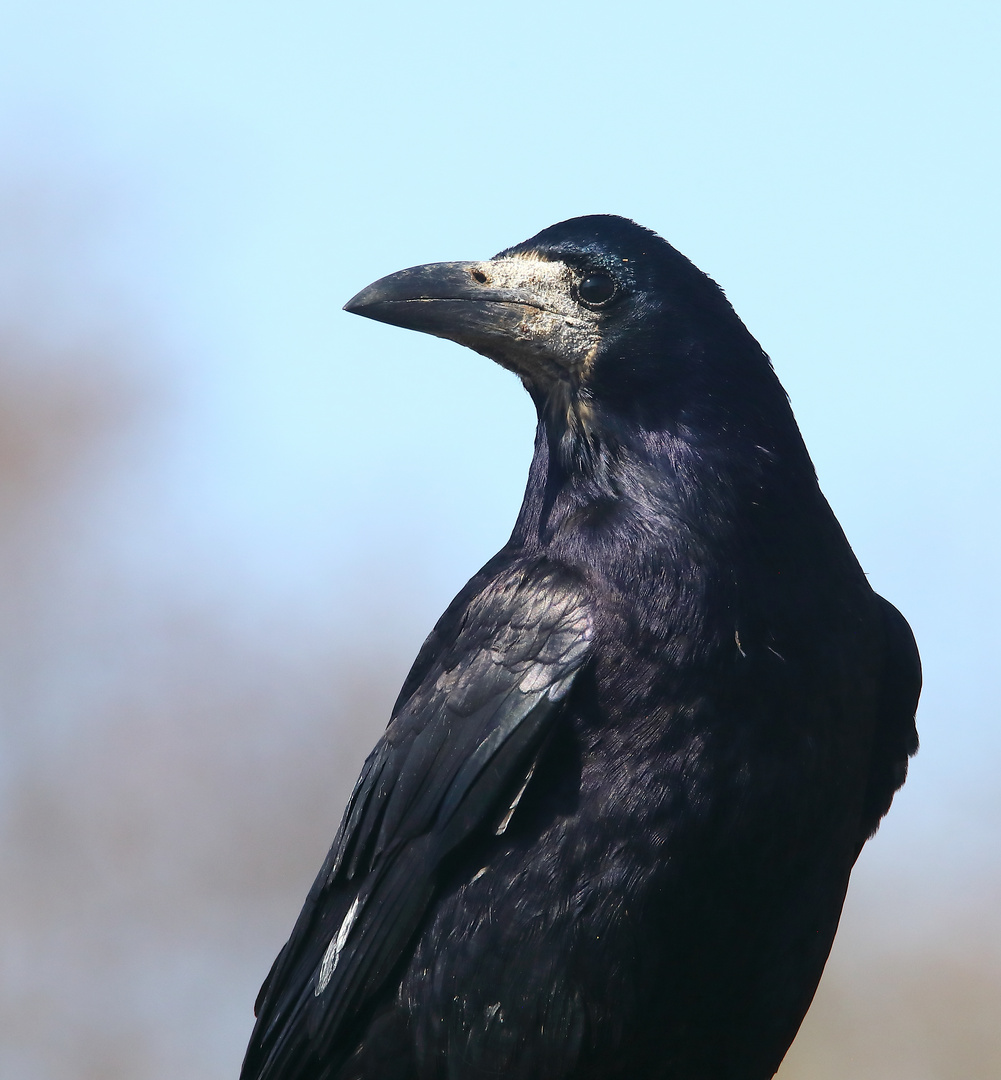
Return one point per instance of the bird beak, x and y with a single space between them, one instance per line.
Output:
455 300
513 310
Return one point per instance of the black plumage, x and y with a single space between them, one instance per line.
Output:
609 829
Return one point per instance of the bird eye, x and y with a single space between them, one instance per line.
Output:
596 289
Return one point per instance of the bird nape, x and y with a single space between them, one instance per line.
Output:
609 829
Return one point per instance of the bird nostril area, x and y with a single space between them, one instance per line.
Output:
478 276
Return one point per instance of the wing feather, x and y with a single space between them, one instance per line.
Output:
896 737
453 763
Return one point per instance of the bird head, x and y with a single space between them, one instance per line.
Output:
610 328
595 307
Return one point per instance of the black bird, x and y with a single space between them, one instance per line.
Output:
609 829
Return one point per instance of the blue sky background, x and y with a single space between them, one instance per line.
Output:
249 167
229 174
